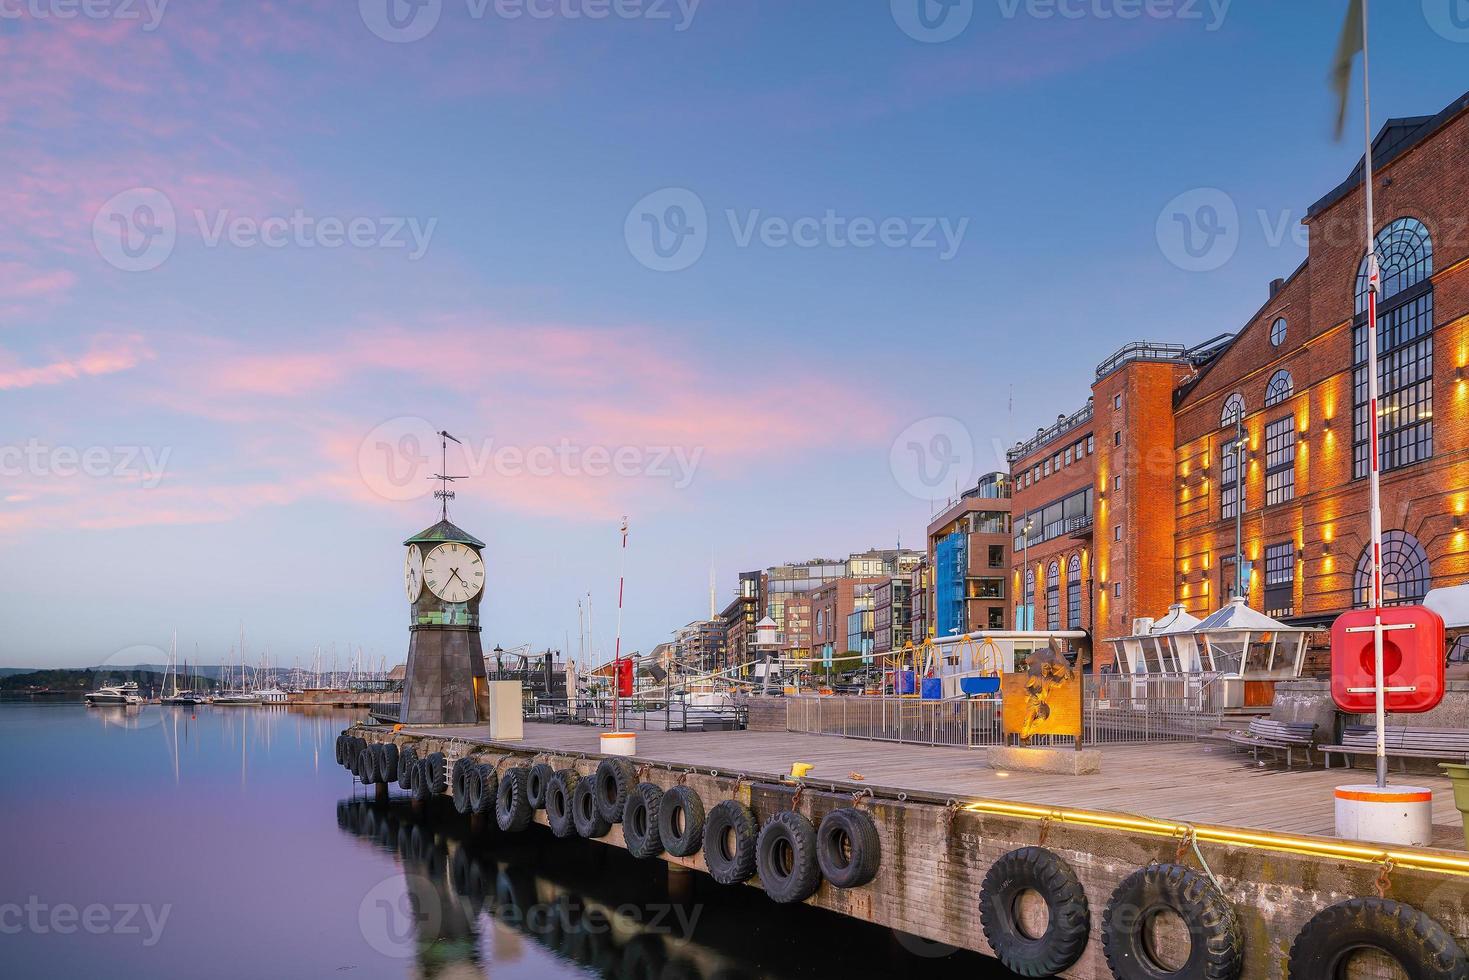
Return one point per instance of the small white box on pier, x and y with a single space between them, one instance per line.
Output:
506 719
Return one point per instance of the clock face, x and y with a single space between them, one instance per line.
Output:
413 572
454 572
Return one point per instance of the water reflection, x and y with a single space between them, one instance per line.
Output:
469 896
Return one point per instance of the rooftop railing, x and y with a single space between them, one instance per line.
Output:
1062 426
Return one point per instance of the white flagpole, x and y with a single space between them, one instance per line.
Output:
1374 284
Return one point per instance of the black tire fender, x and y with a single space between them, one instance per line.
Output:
1420 946
1216 952
456 781
640 821
423 781
367 765
585 812
513 811
489 784
1068 921
476 792
681 822
785 856
464 773
386 762
614 780
559 792
730 834
848 848
438 773
537 779
407 763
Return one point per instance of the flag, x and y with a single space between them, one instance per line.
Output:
1346 53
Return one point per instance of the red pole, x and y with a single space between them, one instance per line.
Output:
617 648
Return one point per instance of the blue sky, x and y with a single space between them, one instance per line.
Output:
238 398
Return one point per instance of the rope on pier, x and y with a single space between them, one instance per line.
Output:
1384 876
1190 839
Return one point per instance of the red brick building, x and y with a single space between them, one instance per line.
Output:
1052 478
1162 487
831 604
1294 380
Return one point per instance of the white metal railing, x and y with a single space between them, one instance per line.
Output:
1117 710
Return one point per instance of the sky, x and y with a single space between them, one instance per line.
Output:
771 279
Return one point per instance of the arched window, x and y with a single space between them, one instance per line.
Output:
1405 254
1053 596
1234 411
1029 598
1281 387
1277 331
1405 323
1073 593
1405 571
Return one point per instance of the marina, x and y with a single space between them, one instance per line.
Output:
915 496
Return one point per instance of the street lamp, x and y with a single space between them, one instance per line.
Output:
1027 612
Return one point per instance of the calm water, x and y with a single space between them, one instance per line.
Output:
173 842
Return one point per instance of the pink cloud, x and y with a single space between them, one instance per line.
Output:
297 419
105 355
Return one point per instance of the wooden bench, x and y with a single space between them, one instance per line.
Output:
1264 733
1403 742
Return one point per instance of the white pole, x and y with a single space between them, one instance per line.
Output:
1374 477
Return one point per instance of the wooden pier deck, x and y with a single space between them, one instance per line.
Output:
1184 782
943 820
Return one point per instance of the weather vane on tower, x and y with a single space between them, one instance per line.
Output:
444 494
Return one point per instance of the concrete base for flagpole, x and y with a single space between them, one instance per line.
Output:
1392 815
619 743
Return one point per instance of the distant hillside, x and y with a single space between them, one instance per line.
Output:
81 681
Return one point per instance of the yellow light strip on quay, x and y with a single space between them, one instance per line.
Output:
1311 846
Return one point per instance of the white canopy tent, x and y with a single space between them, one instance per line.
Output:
1239 640
1236 640
1168 646
1452 604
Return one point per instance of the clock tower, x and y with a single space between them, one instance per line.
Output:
444 574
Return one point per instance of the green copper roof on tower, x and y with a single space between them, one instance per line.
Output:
444 531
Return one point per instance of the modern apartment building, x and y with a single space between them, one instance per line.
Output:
969 560
892 614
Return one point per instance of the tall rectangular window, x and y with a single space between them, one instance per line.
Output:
1405 385
1228 480
1280 461
1280 579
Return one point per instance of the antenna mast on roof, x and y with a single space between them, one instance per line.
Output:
444 494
